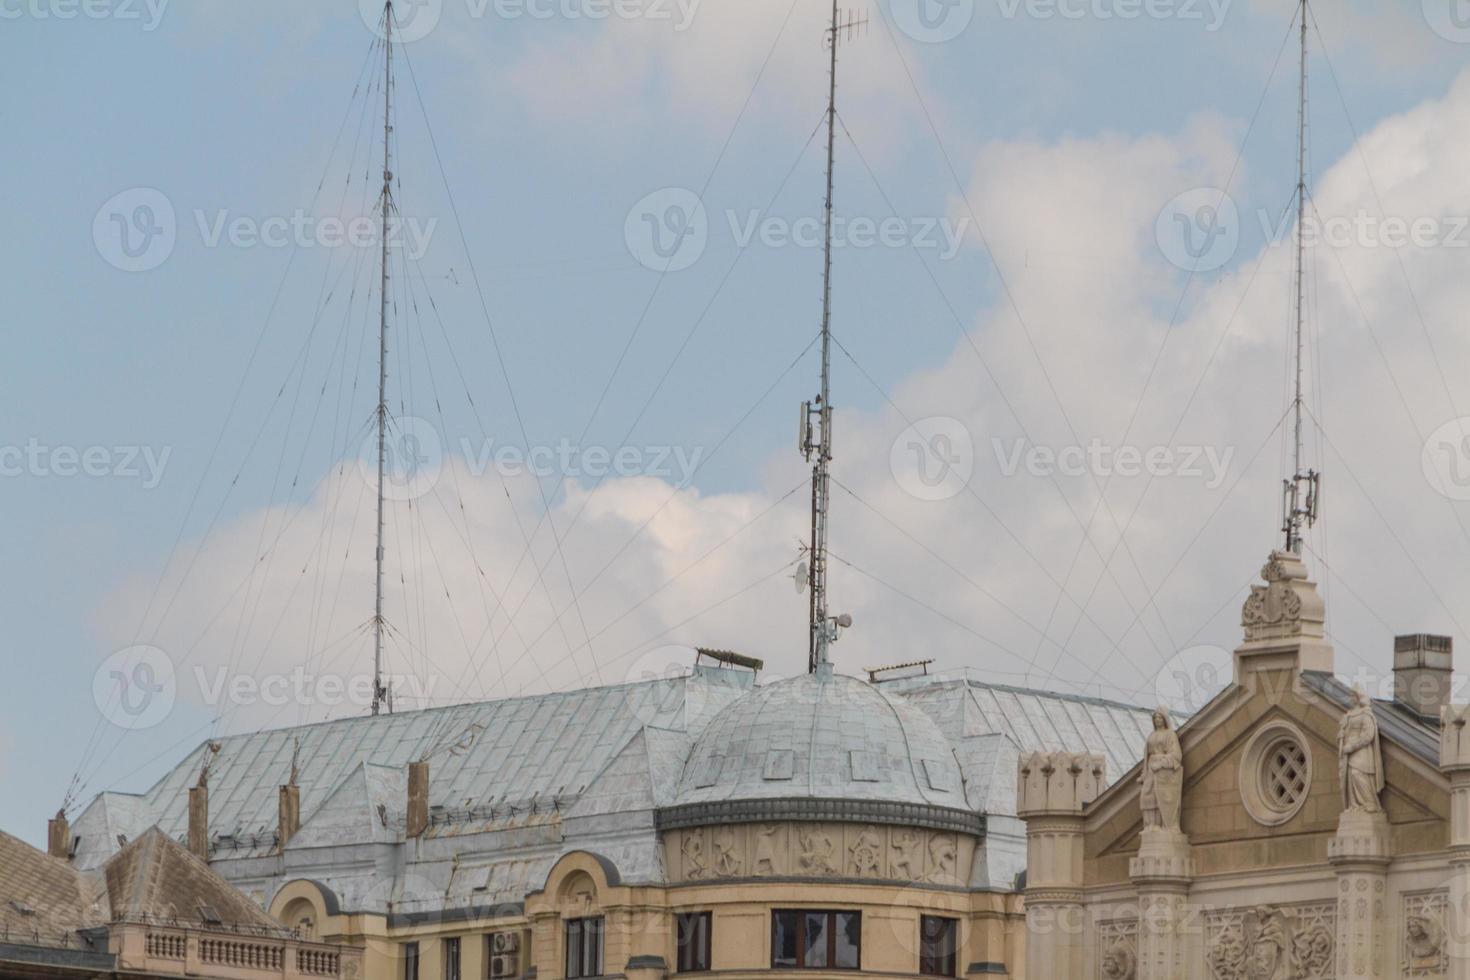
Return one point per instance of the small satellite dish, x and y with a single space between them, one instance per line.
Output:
845 620
800 577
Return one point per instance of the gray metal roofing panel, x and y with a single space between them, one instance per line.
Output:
543 746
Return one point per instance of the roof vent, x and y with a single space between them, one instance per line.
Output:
24 908
209 916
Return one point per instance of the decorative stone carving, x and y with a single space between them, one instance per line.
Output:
1269 943
866 854
1274 608
1119 961
729 862
815 851
906 859
943 857
693 852
1163 776
767 843
1360 757
1424 953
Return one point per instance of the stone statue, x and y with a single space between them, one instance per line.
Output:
1163 776
1359 758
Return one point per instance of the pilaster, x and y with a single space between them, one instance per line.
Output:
1454 762
1162 873
1053 790
1360 855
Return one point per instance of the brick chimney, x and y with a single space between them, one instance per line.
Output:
199 821
290 814
1422 672
418 798
58 836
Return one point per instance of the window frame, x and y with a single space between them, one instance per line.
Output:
581 971
453 958
933 964
412 960
831 927
700 960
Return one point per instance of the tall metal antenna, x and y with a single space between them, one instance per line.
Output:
824 628
1300 491
380 691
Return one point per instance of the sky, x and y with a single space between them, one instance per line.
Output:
1062 307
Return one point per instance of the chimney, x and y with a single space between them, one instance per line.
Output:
58 836
199 821
290 814
1422 670
418 798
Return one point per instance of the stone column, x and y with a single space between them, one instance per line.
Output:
1162 872
1051 792
1454 762
1360 855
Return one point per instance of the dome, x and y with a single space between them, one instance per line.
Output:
823 736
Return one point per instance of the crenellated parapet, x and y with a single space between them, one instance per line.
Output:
1058 783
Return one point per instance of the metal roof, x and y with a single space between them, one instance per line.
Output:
965 706
513 754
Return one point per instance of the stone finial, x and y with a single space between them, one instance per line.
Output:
1058 782
1287 606
1454 738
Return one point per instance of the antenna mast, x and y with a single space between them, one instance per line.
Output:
823 629
380 692
1300 492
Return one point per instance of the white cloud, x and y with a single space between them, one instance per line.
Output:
1074 224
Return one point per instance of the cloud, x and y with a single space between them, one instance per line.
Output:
966 574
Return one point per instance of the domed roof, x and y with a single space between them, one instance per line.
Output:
826 736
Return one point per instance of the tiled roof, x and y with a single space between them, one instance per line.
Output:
44 897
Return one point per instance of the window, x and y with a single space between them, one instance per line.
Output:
693 940
816 940
451 959
503 955
410 961
584 948
938 942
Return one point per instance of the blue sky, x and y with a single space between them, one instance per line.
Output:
1068 135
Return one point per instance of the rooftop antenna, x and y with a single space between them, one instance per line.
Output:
1300 492
818 446
380 691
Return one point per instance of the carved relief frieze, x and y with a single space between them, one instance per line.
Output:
1272 943
819 850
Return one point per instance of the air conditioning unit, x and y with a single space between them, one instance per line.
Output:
505 955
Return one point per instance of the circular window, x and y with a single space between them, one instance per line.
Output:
1275 773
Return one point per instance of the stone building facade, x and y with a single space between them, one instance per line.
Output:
1294 829
690 824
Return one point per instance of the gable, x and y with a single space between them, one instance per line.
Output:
1227 764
